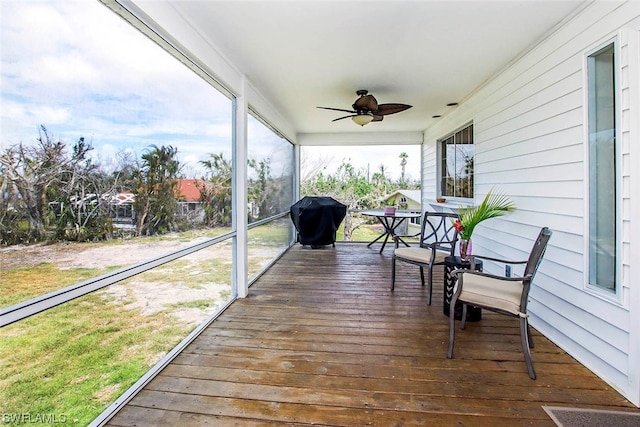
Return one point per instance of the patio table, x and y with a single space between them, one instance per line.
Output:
390 222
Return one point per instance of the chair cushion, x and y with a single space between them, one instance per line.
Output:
417 254
487 291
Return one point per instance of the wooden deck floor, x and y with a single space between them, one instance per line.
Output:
321 340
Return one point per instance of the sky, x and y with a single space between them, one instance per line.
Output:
82 71
365 158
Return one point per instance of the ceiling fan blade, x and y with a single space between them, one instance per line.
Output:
366 102
377 118
345 117
337 109
384 109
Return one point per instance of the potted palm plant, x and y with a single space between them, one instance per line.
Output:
493 205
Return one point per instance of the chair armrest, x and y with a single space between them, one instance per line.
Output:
504 261
459 271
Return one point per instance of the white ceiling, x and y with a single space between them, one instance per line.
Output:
304 54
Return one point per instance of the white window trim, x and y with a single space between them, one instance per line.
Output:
439 154
614 297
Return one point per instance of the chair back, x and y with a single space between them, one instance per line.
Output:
438 231
537 252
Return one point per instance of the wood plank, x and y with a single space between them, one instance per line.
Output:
303 414
322 340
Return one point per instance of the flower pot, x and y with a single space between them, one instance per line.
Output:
465 249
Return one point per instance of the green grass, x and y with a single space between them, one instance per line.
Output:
74 360
41 279
364 233
200 304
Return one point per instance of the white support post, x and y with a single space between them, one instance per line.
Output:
296 179
240 271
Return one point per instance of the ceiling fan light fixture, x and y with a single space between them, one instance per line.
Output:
362 119
366 109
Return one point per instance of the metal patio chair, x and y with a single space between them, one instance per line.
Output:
438 239
504 295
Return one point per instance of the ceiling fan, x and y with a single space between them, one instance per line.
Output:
366 109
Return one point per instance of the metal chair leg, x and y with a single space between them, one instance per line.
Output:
524 329
393 273
430 284
452 326
464 316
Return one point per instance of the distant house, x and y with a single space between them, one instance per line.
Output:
122 204
406 200
189 205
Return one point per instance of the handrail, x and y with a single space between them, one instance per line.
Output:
267 220
44 302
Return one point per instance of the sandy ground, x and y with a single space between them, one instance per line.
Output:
91 255
149 297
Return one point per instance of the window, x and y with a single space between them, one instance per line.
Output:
456 169
270 193
270 173
160 135
602 169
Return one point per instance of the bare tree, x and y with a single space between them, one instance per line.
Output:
82 198
312 166
349 186
33 174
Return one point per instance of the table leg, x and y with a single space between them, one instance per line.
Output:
473 313
388 230
376 239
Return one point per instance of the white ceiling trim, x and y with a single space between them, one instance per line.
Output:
365 138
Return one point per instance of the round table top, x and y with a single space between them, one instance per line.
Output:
397 214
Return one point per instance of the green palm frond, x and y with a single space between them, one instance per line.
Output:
493 205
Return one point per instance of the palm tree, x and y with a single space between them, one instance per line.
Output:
403 163
156 203
215 190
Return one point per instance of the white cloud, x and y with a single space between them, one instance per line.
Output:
82 71
79 69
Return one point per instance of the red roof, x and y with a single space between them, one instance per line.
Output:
188 189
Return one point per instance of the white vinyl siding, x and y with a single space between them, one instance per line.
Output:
530 135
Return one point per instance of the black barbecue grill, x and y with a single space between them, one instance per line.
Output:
317 219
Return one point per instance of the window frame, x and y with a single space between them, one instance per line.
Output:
253 114
614 295
441 157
